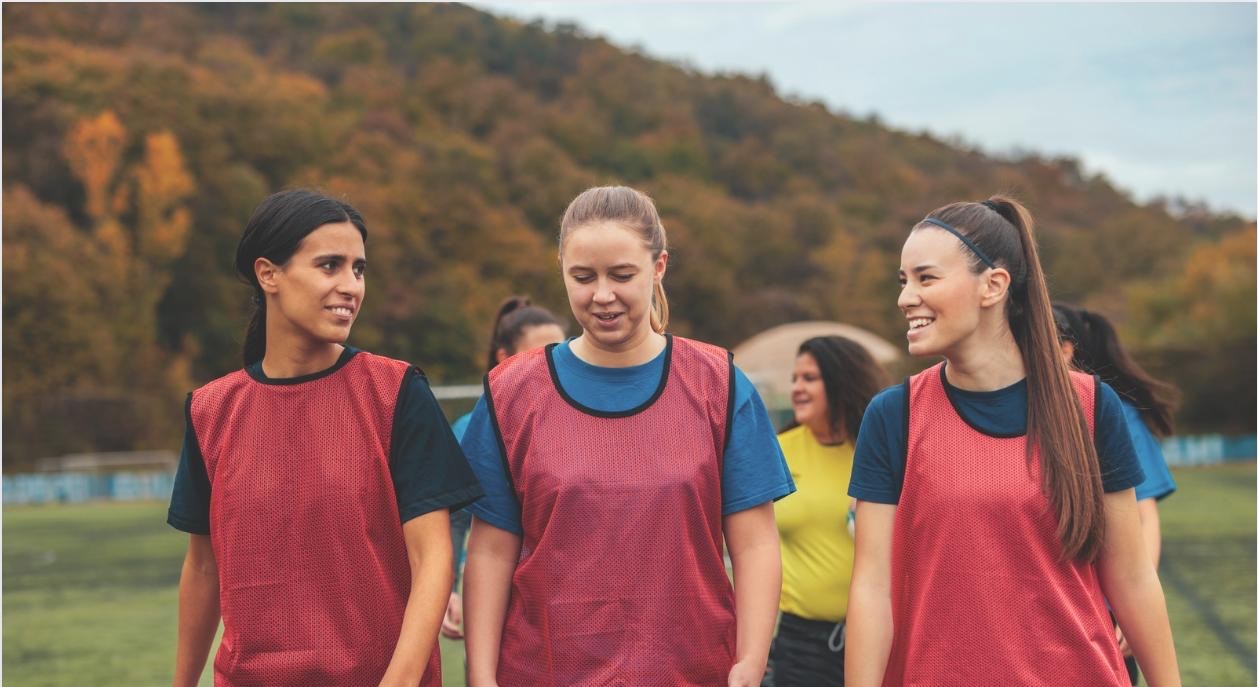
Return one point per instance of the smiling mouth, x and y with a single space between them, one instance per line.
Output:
919 322
342 310
607 317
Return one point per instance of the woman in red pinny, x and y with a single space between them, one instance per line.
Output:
315 483
996 489
617 467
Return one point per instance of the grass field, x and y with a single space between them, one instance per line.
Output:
90 590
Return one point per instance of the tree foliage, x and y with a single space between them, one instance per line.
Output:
138 138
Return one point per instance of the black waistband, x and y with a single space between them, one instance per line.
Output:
805 625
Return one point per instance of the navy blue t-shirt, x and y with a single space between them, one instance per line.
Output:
878 471
753 471
428 469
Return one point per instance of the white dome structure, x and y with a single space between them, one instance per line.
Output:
769 357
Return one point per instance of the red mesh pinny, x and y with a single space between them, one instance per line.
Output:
313 573
978 594
621 578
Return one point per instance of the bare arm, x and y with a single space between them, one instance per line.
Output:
198 610
869 621
1151 529
492 555
428 549
752 538
1132 587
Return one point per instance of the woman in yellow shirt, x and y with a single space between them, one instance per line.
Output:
833 380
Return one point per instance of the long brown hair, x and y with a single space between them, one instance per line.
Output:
632 209
851 378
1003 230
1098 352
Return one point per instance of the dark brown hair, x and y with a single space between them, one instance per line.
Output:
851 378
1098 352
275 232
516 314
632 209
1002 229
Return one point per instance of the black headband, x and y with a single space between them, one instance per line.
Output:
968 243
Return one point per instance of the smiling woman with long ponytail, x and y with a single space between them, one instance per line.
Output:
996 507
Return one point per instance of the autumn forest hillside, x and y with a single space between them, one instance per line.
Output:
138 137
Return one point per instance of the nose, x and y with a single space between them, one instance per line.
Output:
604 294
797 384
351 284
908 297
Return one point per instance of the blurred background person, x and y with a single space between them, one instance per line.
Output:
833 380
1090 343
519 326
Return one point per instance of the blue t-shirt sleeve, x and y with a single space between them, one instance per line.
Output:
428 468
1158 482
878 467
1120 469
754 470
459 426
190 500
499 506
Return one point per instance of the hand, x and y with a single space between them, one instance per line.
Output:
452 623
744 675
1122 641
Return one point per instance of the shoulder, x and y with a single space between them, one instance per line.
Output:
213 393
888 403
379 364
517 367
793 438
694 354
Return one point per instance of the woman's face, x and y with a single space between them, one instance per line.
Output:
315 296
609 274
939 295
808 395
533 337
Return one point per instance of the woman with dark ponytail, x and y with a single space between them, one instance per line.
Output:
315 483
519 326
1089 342
996 508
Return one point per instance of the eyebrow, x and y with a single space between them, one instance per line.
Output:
335 256
617 266
922 268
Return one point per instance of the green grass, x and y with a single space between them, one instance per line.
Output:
90 590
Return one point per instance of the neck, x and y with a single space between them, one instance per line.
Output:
285 357
994 365
827 437
635 352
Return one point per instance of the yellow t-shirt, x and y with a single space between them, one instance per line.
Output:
817 550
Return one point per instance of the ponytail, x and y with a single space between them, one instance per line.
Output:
659 308
1098 352
255 334
515 315
1002 230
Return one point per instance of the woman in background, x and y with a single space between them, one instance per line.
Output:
833 380
519 326
1090 343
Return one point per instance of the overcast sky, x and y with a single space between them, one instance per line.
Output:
1162 98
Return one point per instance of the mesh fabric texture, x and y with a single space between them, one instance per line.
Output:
313 571
979 595
621 578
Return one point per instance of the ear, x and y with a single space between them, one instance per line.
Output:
268 274
501 354
661 265
995 286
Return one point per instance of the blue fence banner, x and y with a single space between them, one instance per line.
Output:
77 487
1208 449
